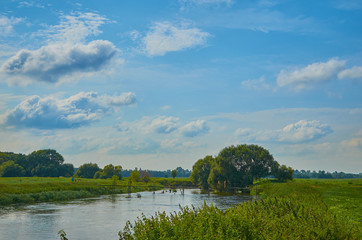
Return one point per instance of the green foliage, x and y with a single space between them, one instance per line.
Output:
11 169
282 173
201 171
238 166
115 180
87 170
42 163
109 171
287 211
62 235
135 176
174 173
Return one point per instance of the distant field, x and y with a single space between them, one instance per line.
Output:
343 196
35 189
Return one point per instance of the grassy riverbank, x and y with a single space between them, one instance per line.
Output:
25 190
302 209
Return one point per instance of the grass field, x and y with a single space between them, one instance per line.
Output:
343 197
34 189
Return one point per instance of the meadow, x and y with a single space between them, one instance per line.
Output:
25 190
301 209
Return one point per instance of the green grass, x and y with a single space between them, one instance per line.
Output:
35 189
343 197
302 209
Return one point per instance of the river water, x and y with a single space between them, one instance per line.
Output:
99 218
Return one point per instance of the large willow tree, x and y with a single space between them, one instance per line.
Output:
235 166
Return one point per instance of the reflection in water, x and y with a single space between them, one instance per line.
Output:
99 218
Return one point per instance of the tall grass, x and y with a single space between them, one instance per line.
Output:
296 210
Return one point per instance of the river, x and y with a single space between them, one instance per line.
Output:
101 217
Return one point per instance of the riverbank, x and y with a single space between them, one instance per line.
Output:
302 209
27 190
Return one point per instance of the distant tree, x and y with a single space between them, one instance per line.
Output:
145 176
238 166
44 163
201 171
135 176
66 170
11 169
115 180
174 173
282 173
87 170
109 171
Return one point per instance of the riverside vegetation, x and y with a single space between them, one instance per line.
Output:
310 209
25 190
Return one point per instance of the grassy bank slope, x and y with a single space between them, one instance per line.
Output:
296 210
35 189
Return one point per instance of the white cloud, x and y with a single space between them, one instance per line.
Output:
76 111
299 132
195 128
149 125
6 25
353 142
310 75
165 124
304 131
256 84
164 37
354 72
74 28
349 4
203 2
56 62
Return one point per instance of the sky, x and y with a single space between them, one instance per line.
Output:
157 84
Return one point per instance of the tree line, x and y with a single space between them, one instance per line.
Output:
324 174
236 167
180 172
41 163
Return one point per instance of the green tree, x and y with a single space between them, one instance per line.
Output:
87 170
44 163
66 170
135 176
174 173
109 171
201 171
238 166
145 176
282 173
11 169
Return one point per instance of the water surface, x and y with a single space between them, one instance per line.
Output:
99 218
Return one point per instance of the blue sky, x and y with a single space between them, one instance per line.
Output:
158 84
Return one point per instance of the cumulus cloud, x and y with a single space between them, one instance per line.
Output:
354 72
56 62
147 125
310 75
66 54
195 128
7 25
73 112
164 37
165 124
299 132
